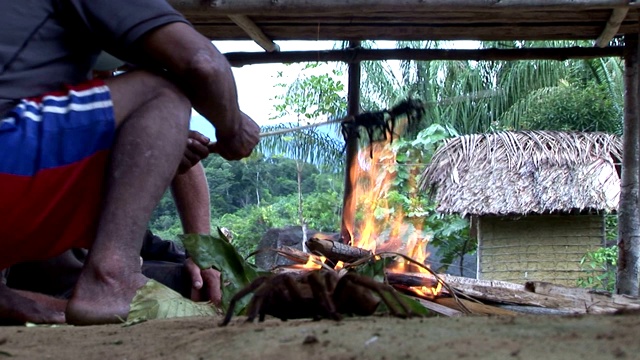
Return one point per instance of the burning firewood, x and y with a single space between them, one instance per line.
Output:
335 251
410 280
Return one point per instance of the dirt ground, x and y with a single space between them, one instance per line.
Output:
522 337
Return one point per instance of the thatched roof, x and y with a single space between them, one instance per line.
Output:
525 172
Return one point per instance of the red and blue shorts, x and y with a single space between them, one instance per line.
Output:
53 156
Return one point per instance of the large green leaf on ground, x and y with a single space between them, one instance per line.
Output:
217 252
156 301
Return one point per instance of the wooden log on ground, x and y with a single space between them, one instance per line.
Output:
474 307
535 310
594 302
336 251
439 309
509 293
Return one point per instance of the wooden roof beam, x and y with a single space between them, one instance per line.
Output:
613 25
239 59
254 32
263 7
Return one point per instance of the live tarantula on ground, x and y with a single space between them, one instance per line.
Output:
316 294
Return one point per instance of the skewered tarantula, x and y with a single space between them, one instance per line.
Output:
316 294
380 124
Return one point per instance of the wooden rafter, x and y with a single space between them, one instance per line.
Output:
228 7
350 55
613 25
255 32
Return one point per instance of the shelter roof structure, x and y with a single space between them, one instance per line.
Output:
269 20
525 172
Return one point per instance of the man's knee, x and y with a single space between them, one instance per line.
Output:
138 90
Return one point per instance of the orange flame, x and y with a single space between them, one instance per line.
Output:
314 262
374 171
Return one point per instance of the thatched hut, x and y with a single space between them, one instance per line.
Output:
536 198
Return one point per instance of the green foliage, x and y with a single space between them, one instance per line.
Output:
600 266
248 225
572 108
600 269
252 195
611 228
312 96
477 97
215 251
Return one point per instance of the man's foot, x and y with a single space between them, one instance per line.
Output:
102 300
17 308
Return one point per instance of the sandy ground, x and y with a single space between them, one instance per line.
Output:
522 337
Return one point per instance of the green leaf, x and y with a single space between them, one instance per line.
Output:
373 268
215 251
415 306
156 301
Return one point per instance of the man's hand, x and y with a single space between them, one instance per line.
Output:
209 279
195 151
239 143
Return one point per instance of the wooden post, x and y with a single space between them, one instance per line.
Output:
628 213
349 203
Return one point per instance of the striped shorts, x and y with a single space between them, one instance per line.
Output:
53 156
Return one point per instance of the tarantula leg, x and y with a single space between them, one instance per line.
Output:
255 306
380 289
239 295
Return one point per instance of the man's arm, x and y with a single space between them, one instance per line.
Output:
204 74
191 195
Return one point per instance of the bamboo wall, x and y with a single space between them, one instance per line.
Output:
537 247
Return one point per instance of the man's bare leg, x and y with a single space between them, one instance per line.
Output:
152 117
21 306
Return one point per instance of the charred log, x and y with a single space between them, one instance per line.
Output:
408 279
335 251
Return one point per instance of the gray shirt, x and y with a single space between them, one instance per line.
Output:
45 44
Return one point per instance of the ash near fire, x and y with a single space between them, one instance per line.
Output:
381 125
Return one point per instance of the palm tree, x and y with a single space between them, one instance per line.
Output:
476 97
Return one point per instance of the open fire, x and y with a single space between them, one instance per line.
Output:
382 225
389 230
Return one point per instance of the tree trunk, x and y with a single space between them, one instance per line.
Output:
628 214
300 215
257 188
